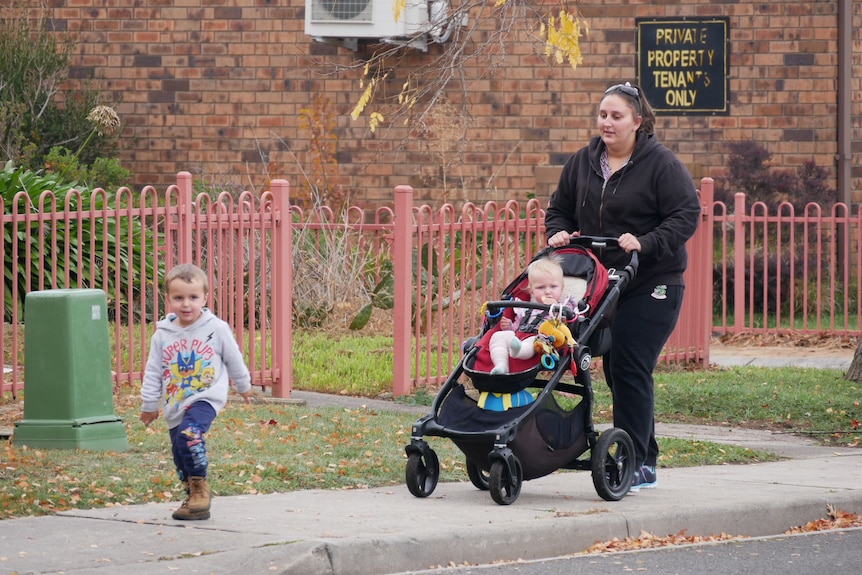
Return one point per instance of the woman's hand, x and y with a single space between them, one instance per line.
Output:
629 243
563 238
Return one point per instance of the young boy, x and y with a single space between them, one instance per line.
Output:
193 355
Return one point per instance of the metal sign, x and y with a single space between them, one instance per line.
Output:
683 64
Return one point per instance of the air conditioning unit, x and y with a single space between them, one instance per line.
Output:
364 19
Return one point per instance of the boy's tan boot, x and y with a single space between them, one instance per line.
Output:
199 494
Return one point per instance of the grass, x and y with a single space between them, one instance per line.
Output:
258 448
807 401
270 447
363 366
801 400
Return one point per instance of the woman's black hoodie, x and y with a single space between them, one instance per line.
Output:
652 196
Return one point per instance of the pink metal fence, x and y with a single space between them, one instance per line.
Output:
787 272
690 340
446 263
123 244
461 259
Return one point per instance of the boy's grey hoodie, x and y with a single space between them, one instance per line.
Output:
189 364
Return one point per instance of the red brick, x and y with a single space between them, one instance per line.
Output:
250 65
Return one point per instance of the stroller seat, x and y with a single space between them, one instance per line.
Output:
585 281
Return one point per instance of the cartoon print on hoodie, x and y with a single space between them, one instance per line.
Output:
194 364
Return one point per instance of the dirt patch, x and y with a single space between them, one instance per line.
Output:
785 346
10 412
789 343
782 351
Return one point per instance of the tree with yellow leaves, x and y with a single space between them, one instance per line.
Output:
557 35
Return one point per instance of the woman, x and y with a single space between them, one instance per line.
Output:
625 184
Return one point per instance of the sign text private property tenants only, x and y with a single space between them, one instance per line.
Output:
683 64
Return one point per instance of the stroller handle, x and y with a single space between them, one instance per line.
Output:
599 242
596 242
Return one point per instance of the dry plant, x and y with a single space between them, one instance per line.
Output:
328 272
329 264
317 121
445 140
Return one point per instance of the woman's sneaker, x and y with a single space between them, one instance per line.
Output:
644 478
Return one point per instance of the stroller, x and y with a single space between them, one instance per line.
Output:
504 448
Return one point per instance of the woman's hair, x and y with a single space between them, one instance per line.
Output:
636 100
188 273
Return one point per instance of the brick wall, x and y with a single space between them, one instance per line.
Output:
215 87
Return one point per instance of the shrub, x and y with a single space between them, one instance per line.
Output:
67 123
105 173
120 276
748 171
763 280
35 116
759 296
65 165
29 80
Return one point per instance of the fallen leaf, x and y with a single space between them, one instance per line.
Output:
835 519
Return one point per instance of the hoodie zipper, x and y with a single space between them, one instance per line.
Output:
602 204
622 172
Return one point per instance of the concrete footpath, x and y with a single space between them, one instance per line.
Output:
387 530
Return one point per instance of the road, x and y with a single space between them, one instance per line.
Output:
837 552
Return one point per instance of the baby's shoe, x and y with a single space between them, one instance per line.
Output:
514 346
498 370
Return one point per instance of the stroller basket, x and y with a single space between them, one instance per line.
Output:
547 441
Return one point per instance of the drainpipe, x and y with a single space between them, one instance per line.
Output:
845 49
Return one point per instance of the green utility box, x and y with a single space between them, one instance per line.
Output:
68 390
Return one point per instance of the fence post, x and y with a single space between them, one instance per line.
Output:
739 263
282 290
402 250
707 195
184 225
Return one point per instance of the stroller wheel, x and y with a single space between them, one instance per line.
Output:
478 476
504 487
612 460
422 474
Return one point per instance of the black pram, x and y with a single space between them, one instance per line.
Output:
527 440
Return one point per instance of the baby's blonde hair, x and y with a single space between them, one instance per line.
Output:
549 265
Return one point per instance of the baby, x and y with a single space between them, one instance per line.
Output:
545 284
